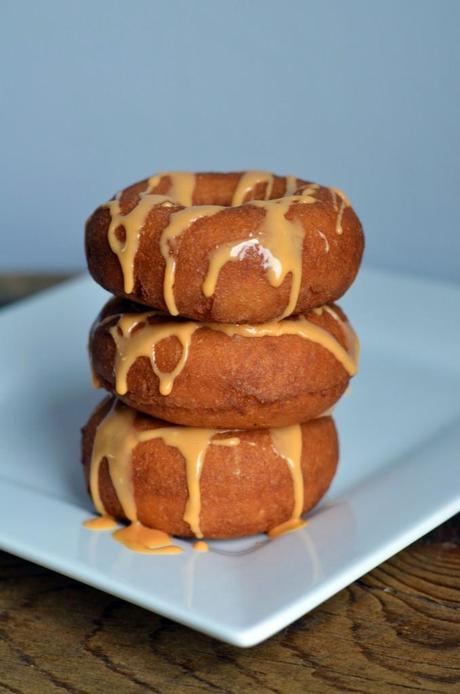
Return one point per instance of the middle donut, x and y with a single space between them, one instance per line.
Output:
224 375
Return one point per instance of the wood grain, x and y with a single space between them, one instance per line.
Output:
397 629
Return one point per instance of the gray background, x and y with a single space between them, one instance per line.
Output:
362 95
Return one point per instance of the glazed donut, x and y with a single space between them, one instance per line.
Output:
203 482
226 247
223 375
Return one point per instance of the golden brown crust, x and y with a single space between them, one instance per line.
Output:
245 489
243 292
234 382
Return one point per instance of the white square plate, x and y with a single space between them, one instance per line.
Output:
399 473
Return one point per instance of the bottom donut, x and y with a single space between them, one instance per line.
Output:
192 482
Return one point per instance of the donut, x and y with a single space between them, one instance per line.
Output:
194 482
223 375
226 247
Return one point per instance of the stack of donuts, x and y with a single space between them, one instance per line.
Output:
222 351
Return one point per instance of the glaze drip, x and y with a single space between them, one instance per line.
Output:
291 185
340 207
287 442
132 344
178 223
116 438
138 538
200 546
136 337
279 243
288 526
100 523
181 186
248 182
133 223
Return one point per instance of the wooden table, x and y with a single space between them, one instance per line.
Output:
397 629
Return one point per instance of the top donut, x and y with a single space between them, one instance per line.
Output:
226 247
